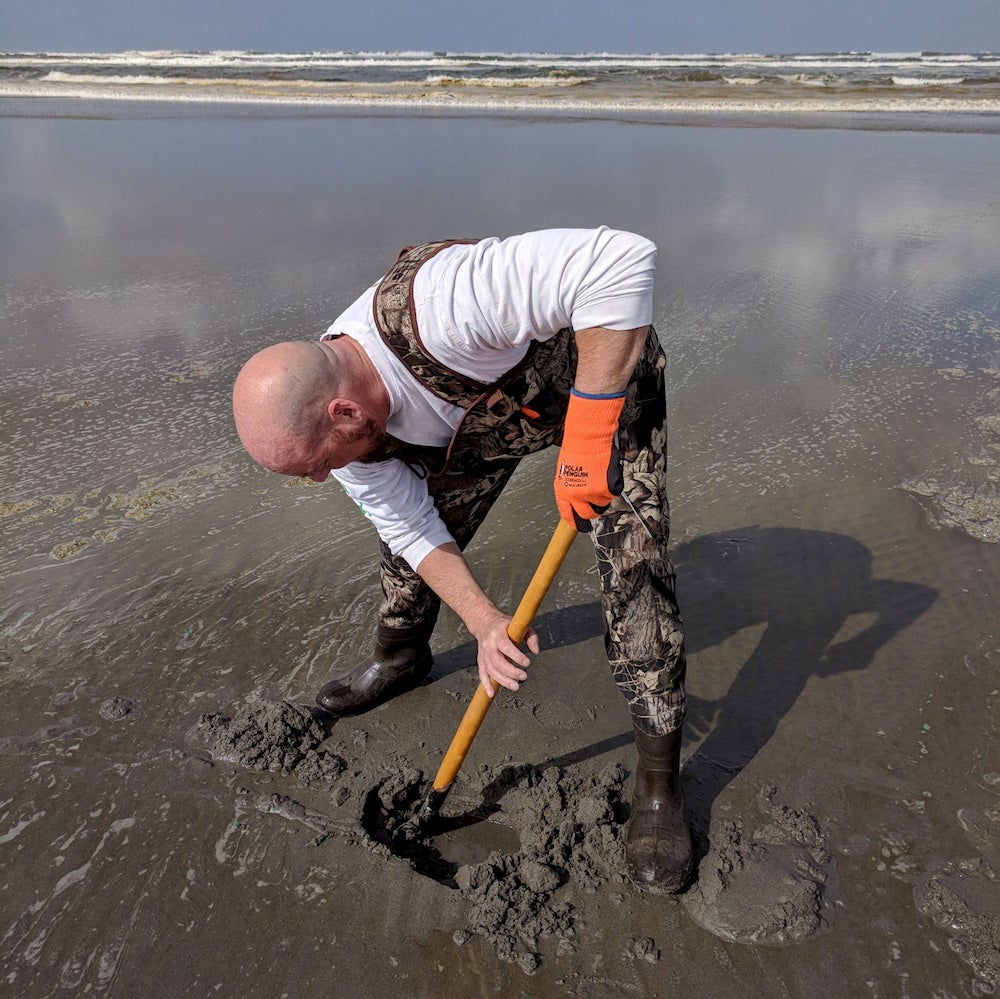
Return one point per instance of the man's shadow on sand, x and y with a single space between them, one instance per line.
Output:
802 586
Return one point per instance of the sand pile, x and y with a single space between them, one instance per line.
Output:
569 826
571 833
766 886
274 736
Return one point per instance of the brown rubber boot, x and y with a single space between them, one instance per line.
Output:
402 658
658 842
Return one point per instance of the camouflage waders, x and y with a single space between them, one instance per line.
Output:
518 415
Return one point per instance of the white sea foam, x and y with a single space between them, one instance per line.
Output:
807 80
214 60
116 85
927 81
417 59
82 78
443 80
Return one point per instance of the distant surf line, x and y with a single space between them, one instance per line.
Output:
270 94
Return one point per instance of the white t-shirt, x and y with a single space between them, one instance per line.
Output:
478 308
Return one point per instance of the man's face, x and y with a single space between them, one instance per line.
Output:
339 448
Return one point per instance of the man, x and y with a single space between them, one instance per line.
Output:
422 398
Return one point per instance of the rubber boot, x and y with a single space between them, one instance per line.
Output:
658 842
402 658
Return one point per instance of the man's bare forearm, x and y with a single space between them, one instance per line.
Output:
447 573
607 358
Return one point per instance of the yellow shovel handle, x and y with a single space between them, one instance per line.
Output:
552 559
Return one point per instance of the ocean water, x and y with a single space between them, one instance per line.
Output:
841 81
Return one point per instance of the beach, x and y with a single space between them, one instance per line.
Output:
176 821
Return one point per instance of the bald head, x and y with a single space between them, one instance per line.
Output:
280 400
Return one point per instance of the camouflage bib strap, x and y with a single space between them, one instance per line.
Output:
518 414
396 321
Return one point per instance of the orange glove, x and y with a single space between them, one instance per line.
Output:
589 473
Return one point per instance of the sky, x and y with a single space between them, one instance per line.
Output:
502 25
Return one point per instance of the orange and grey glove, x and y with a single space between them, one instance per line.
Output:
589 473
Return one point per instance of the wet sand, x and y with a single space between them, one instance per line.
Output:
176 820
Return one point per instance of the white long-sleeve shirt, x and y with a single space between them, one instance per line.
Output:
478 307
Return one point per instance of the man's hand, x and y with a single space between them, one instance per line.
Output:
500 660
589 472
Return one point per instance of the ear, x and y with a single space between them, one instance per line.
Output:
343 411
